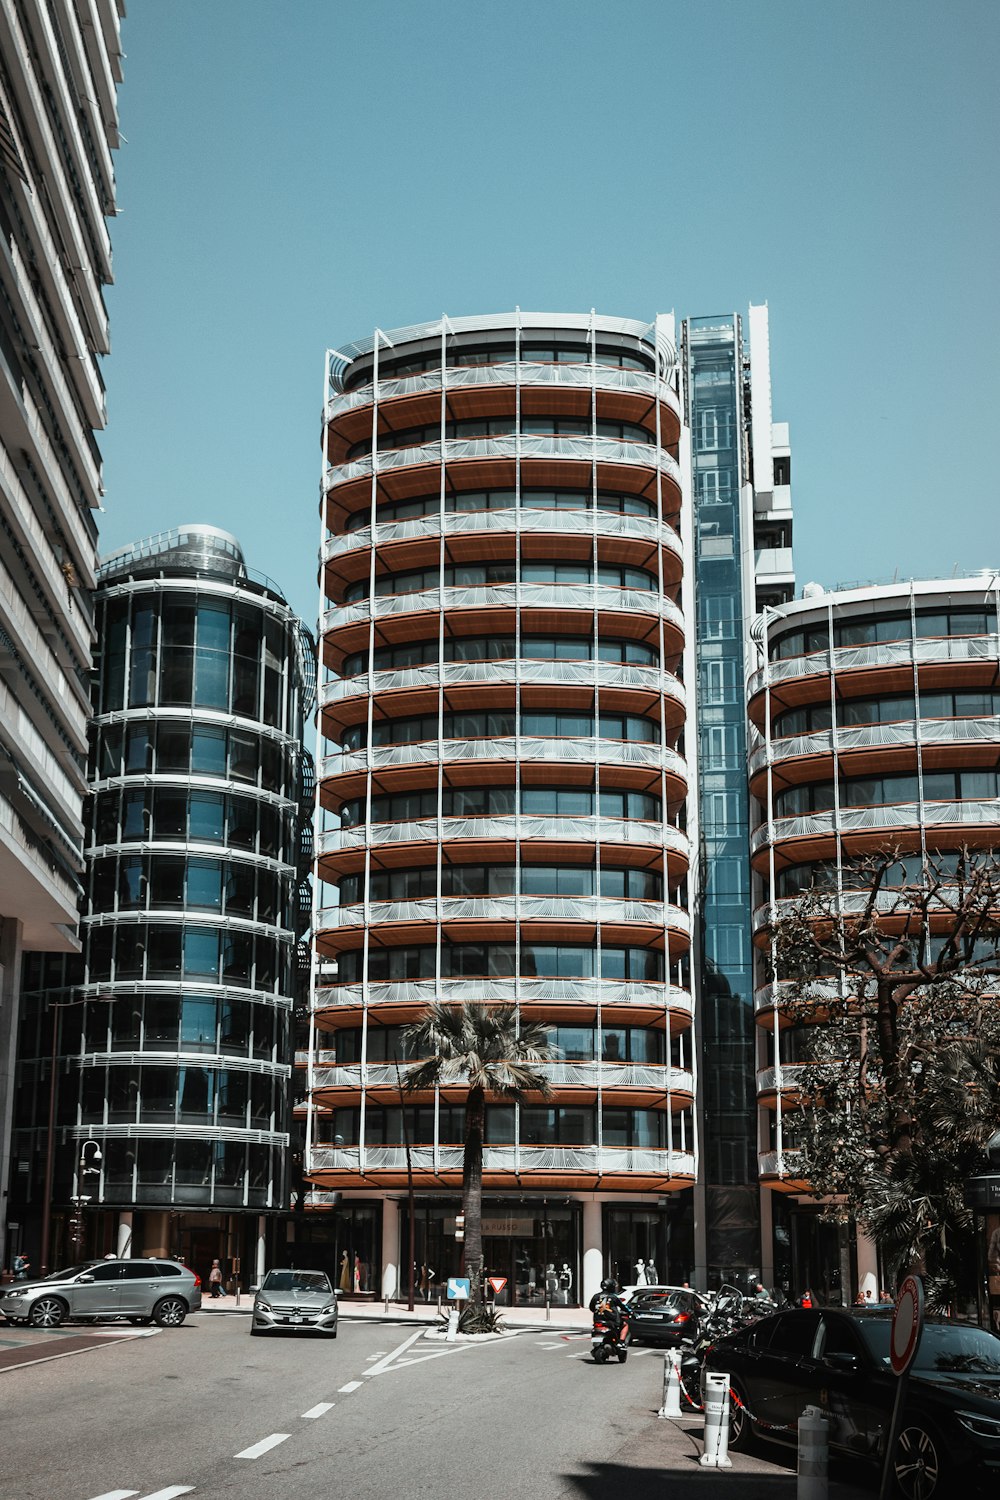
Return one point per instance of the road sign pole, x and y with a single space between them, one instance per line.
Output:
904 1341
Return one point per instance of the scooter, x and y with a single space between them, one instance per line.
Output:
607 1339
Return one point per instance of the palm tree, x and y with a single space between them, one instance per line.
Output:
487 1048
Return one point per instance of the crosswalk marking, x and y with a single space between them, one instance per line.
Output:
319 1410
256 1451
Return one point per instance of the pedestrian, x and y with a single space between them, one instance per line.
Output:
215 1279
22 1265
806 1300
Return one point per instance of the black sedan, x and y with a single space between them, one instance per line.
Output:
838 1359
664 1316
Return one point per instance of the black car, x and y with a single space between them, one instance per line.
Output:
664 1316
838 1359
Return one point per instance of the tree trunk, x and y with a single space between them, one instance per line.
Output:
472 1191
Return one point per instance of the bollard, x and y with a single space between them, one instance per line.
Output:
716 1454
814 1432
671 1384
452 1325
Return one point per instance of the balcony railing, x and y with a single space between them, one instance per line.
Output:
513 1159
590 1075
418 993
568 751
506 671
907 653
565 597
593 910
508 829
510 373
866 819
582 449
908 732
583 522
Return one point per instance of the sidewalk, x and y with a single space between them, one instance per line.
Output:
363 1309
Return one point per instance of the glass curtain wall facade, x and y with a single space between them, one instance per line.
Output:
60 66
715 393
175 1043
503 784
874 725
741 480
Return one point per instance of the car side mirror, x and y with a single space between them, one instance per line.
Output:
85 1277
254 1288
842 1361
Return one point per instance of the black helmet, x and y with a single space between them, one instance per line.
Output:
609 1284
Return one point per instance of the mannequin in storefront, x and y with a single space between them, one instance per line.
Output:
640 1272
565 1284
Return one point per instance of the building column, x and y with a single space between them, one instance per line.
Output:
390 1247
156 1234
260 1270
593 1249
123 1244
867 1267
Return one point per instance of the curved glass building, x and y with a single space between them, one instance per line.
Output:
503 789
176 1044
875 724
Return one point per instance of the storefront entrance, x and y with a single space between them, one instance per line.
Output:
535 1246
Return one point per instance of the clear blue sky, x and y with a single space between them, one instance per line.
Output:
298 171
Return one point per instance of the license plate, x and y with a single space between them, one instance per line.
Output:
296 1317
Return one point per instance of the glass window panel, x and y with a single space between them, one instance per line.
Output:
207 817
204 884
197 1024
201 951
208 751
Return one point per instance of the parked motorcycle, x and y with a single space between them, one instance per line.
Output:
728 1311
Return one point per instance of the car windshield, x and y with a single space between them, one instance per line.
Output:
296 1281
70 1271
662 1301
945 1349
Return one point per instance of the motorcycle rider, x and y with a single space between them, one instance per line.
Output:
612 1308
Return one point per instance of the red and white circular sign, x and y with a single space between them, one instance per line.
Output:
907 1324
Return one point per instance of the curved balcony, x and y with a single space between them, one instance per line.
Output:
782 1170
523 373
862 742
576 997
675 1084
389 535
561 749
643 921
546 598
786 1081
849 903
500 833
771 1000
816 831
640 683
569 1166
577 449
946 652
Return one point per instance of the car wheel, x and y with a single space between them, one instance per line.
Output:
47 1312
140 1322
170 1312
740 1431
918 1463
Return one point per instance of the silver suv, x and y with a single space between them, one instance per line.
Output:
141 1290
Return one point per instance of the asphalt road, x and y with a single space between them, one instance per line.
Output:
207 1411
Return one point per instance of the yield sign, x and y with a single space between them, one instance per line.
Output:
497 1283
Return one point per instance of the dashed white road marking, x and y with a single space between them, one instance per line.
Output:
638 1353
352 1385
117 1495
549 1346
260 1448
320 1410
171 1492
